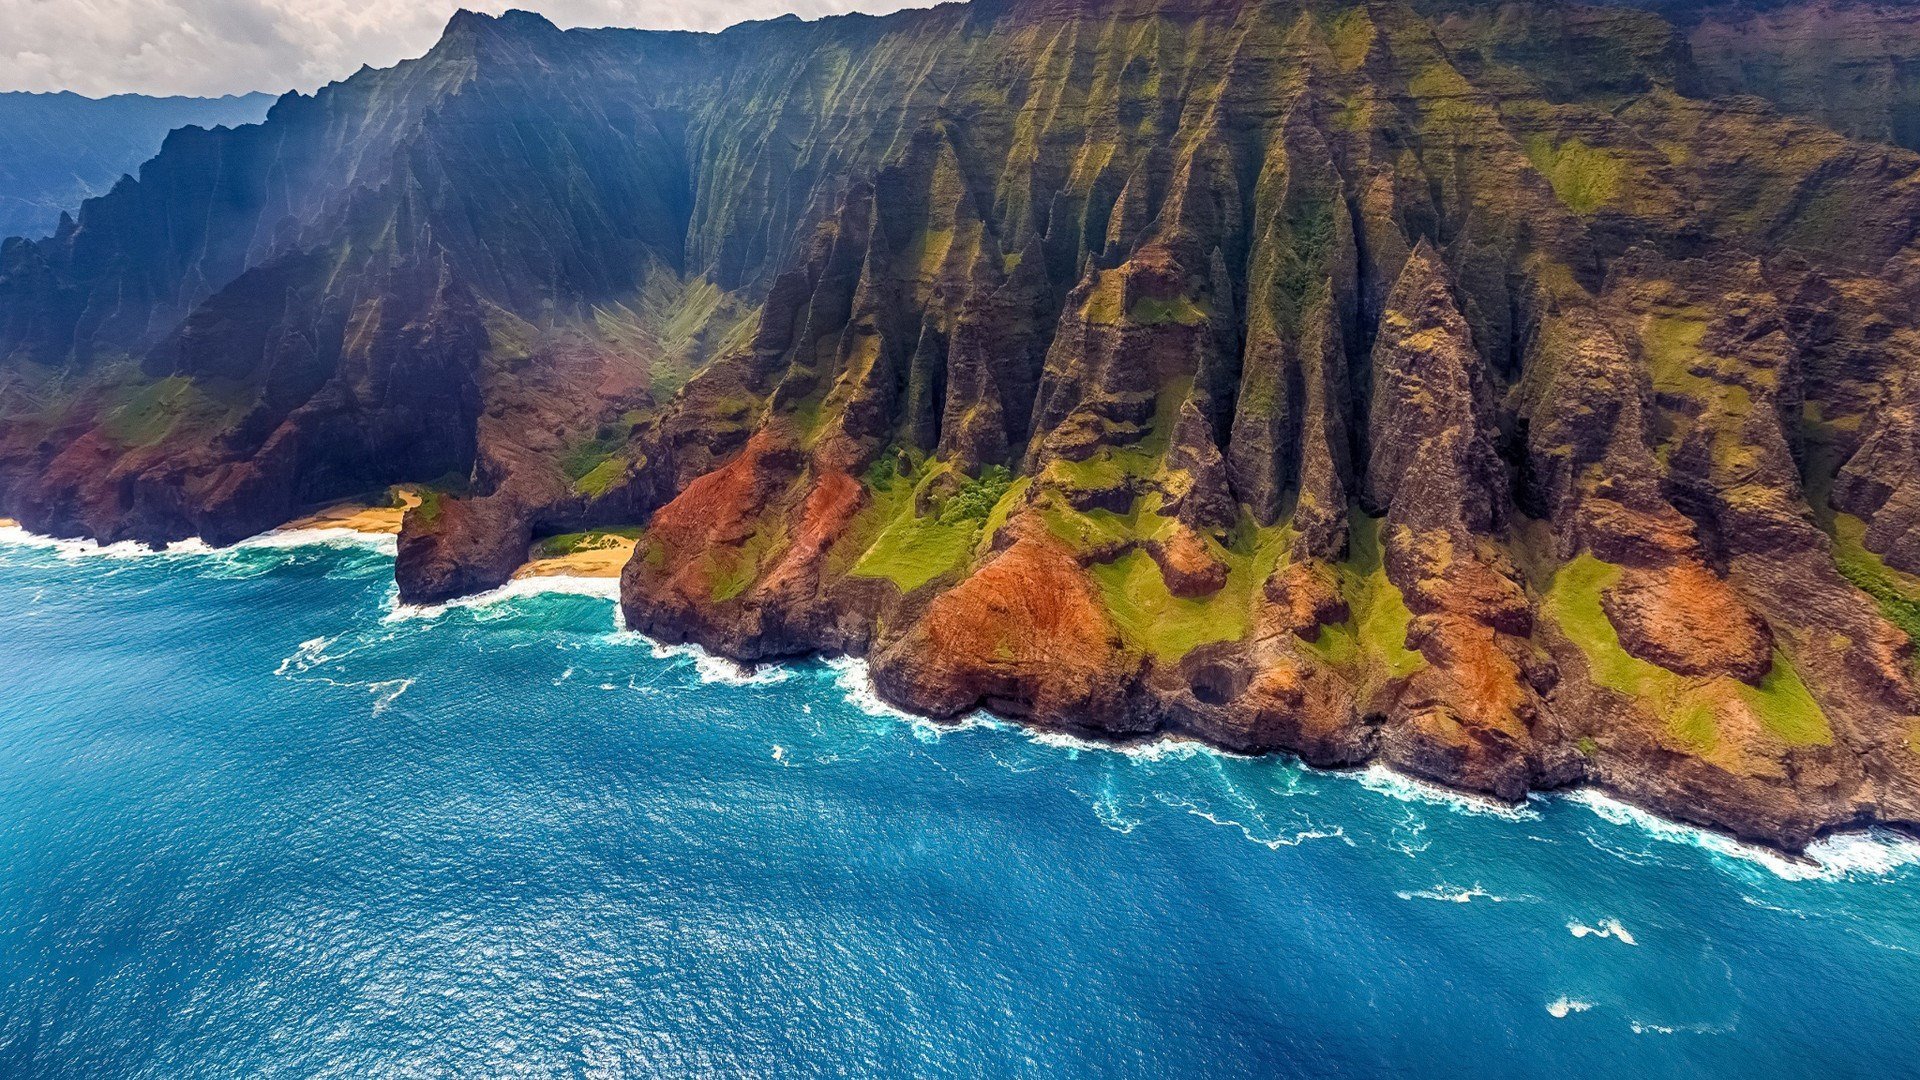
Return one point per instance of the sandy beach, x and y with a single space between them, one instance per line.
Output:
359 516
600 556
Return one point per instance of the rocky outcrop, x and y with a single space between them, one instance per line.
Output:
1466 387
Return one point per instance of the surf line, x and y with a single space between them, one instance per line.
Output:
1873 852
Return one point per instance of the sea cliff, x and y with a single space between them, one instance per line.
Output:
1504 393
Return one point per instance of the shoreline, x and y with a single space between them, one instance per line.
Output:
592 554
358 516
1842 848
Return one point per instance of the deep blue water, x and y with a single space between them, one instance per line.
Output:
255 822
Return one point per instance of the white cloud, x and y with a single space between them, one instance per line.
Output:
100 47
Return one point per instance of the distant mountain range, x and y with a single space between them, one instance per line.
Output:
1520 394
57 150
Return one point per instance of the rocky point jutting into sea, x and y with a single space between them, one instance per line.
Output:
1519 395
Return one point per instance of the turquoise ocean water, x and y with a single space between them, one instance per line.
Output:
256 821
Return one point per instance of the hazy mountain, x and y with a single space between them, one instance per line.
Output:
59 149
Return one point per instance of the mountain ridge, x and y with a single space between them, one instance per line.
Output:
58 149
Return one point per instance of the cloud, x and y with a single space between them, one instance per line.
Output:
98 47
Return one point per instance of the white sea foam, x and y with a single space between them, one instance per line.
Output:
385 543
1451 894
1865 854
1379 778
306 655
718 669
1271 842
1608 928
1876 852
387 692
855 681
1167 748
1563 1006
67 548
1870 854
519 588
1648 1027
79 548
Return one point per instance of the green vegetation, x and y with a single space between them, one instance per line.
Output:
1374 637
731 569
1152 618
1781 701
1089 531
1583 177
675 325
1180 310
1785 706
1303 272
1102 306
911 549
432 501
148 413
595 465
1891 589
1349 37
601 477
977 496
1672 345
928 251
554 547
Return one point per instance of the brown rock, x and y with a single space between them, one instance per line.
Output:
1688 621
1190 569
1024 636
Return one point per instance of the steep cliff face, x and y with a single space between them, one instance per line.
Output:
1464 386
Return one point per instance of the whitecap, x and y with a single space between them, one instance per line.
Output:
388 692
1451 894
1563 1006
1608 928
932 731
307 655
1108 813
1275 841
1648 1027
1874 853
1165 748
74 548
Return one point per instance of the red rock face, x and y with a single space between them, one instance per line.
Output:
1025 636
1499 394
1688 621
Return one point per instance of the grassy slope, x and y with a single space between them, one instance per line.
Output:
1689 706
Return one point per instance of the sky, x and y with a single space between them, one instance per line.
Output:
99 47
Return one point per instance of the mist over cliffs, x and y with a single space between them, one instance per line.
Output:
1519 394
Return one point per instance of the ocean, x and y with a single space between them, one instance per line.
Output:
257 820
